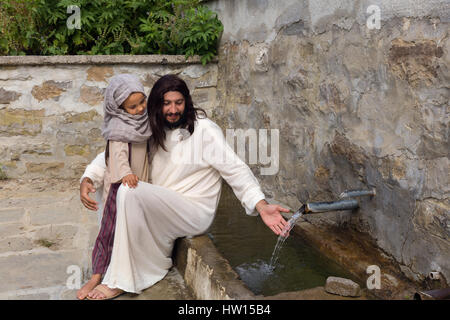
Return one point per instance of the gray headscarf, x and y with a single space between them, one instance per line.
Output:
119 125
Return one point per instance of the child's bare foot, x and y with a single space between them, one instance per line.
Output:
89 286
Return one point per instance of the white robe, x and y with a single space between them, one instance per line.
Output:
180 201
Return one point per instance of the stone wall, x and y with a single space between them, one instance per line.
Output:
356 107
51 108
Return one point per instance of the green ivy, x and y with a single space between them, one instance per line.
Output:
38 27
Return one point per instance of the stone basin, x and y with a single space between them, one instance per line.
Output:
208 273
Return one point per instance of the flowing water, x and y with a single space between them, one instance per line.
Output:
283 236
248 244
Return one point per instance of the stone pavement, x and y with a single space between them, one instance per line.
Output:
46 240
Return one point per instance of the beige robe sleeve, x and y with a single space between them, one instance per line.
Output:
119 166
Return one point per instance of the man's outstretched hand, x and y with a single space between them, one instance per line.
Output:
87 187
271 216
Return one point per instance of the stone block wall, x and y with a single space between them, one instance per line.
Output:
356 107
51 108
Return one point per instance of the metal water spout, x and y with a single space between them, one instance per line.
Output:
316 207
358 193
344 204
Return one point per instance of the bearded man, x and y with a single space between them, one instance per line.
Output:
189 158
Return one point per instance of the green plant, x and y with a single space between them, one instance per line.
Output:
189 29
17 26
45 243
3 175
38 27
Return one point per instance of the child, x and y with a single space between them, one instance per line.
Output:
126 129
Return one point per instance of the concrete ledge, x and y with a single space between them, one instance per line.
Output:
99 59
207 274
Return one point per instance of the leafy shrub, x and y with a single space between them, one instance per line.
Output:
17 26
38 27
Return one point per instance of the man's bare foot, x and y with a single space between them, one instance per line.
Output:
89 286
102 292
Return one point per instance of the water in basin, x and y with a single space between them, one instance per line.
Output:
248 244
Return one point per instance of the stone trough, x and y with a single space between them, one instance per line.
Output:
208 275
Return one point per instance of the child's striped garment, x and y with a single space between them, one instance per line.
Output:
101 255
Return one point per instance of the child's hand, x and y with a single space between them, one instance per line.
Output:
130 180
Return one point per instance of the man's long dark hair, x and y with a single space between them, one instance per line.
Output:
155 104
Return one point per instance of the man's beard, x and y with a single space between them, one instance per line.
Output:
176 124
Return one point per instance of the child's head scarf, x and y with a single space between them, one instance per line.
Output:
119 125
